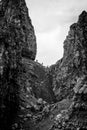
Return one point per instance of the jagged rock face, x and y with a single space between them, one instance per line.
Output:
37 80
73 64
68 78
21 78
17 40
71 78
17 24
26 86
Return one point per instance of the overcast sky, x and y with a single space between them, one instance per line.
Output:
51 20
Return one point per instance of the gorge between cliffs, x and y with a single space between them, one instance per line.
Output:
32 96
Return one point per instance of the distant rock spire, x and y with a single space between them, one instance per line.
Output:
83 17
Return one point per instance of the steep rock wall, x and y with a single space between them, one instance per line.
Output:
20 76
73 64
17 40
70 76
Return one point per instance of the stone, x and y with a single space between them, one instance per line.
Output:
58 117
40 101
72 82
17 41
33 96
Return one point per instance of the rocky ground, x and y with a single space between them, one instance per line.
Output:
32 96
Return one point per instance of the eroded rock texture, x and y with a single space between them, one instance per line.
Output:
21 78
33 97
73 64
17 40
70 78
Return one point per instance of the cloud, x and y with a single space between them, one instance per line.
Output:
47 14
51 20
50 45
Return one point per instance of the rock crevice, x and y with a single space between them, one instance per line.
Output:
33 97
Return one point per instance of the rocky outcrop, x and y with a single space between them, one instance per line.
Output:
21 78
73 64
33 97
14 21
38 80
17 40
70 78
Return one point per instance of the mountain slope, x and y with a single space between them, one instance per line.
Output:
71 78
20 76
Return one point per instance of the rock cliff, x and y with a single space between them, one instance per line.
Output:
72 66
17 40
70 78
20 76
69 82
33 97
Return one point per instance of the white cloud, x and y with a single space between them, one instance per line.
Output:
50 45
51 20
48 13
